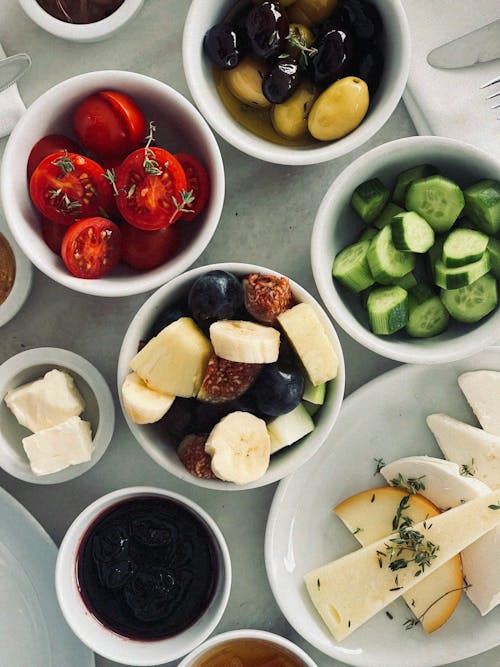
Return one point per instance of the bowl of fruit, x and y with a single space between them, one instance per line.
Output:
406 252
112 183
231 376
296 82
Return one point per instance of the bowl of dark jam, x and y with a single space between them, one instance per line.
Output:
143 576
83 21
296 82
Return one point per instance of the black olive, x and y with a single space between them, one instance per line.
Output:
267 28
334 52
369 67
361 18
224 46
281 81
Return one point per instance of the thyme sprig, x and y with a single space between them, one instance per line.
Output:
296 39
110 176
380 464
468 470
412 622
185 204
65 163
411 484
410 546
150 164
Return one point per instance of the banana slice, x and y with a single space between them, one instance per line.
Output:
142 404
246 342
240 448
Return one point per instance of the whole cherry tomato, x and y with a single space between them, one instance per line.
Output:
53 234
109 124
143 250
91 247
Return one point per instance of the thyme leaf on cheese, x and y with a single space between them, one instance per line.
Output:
495 507
412 622
468 469
410 546
411 484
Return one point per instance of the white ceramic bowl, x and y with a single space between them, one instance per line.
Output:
180 128
261 635
99 409
337 225
203 14
88 32
153 438
22 281
102 640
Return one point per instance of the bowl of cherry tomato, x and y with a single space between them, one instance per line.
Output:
296 82
112 183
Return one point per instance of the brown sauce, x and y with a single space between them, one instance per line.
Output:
248 653
80 11
7 268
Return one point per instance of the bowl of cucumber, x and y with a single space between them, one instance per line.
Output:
405 250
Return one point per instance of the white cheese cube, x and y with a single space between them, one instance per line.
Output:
46 402
60 446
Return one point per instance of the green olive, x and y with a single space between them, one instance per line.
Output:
339 109
290 118
312 12
300 39
245 82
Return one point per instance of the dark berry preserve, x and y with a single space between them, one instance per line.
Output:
147 568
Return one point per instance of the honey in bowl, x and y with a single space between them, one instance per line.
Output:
7 268
248 653
147 568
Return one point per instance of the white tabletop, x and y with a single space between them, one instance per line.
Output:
267 219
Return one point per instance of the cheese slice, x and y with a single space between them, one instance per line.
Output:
468 446
482 391
56 448
349 591
445 487
46 402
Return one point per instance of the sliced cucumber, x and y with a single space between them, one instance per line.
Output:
351 266
411 233
473 302
460 276
427 316
368 234
314 394
385 218
494 252
437 199
482 205
406 178
290 427
364 296
385 261
465 223
369 198
388 309
435 253
406 282
463 246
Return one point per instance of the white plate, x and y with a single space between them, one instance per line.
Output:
385 418
33 631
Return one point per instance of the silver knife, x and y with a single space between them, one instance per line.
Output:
12 69
478 46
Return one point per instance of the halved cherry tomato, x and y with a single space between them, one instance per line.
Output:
91 247
52 143
151 187
143 250
52 234
66 187
109 124
197 182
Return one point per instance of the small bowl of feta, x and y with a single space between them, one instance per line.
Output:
56 415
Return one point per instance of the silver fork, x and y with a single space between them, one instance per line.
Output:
493 95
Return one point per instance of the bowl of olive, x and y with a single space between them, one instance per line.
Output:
296 82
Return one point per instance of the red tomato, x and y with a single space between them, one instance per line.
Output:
151 187
52 234
109 124
52 143
91 247
66 187
197 182
144 250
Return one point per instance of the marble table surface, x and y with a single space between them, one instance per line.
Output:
267 219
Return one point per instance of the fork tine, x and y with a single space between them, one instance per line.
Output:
490 83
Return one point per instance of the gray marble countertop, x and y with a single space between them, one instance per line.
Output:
267 219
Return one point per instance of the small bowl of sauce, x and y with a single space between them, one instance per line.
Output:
143 576
15 276
248 648
82 21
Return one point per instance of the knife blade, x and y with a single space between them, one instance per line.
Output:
478 46
12 69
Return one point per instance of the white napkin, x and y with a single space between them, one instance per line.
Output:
450 102
11 106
